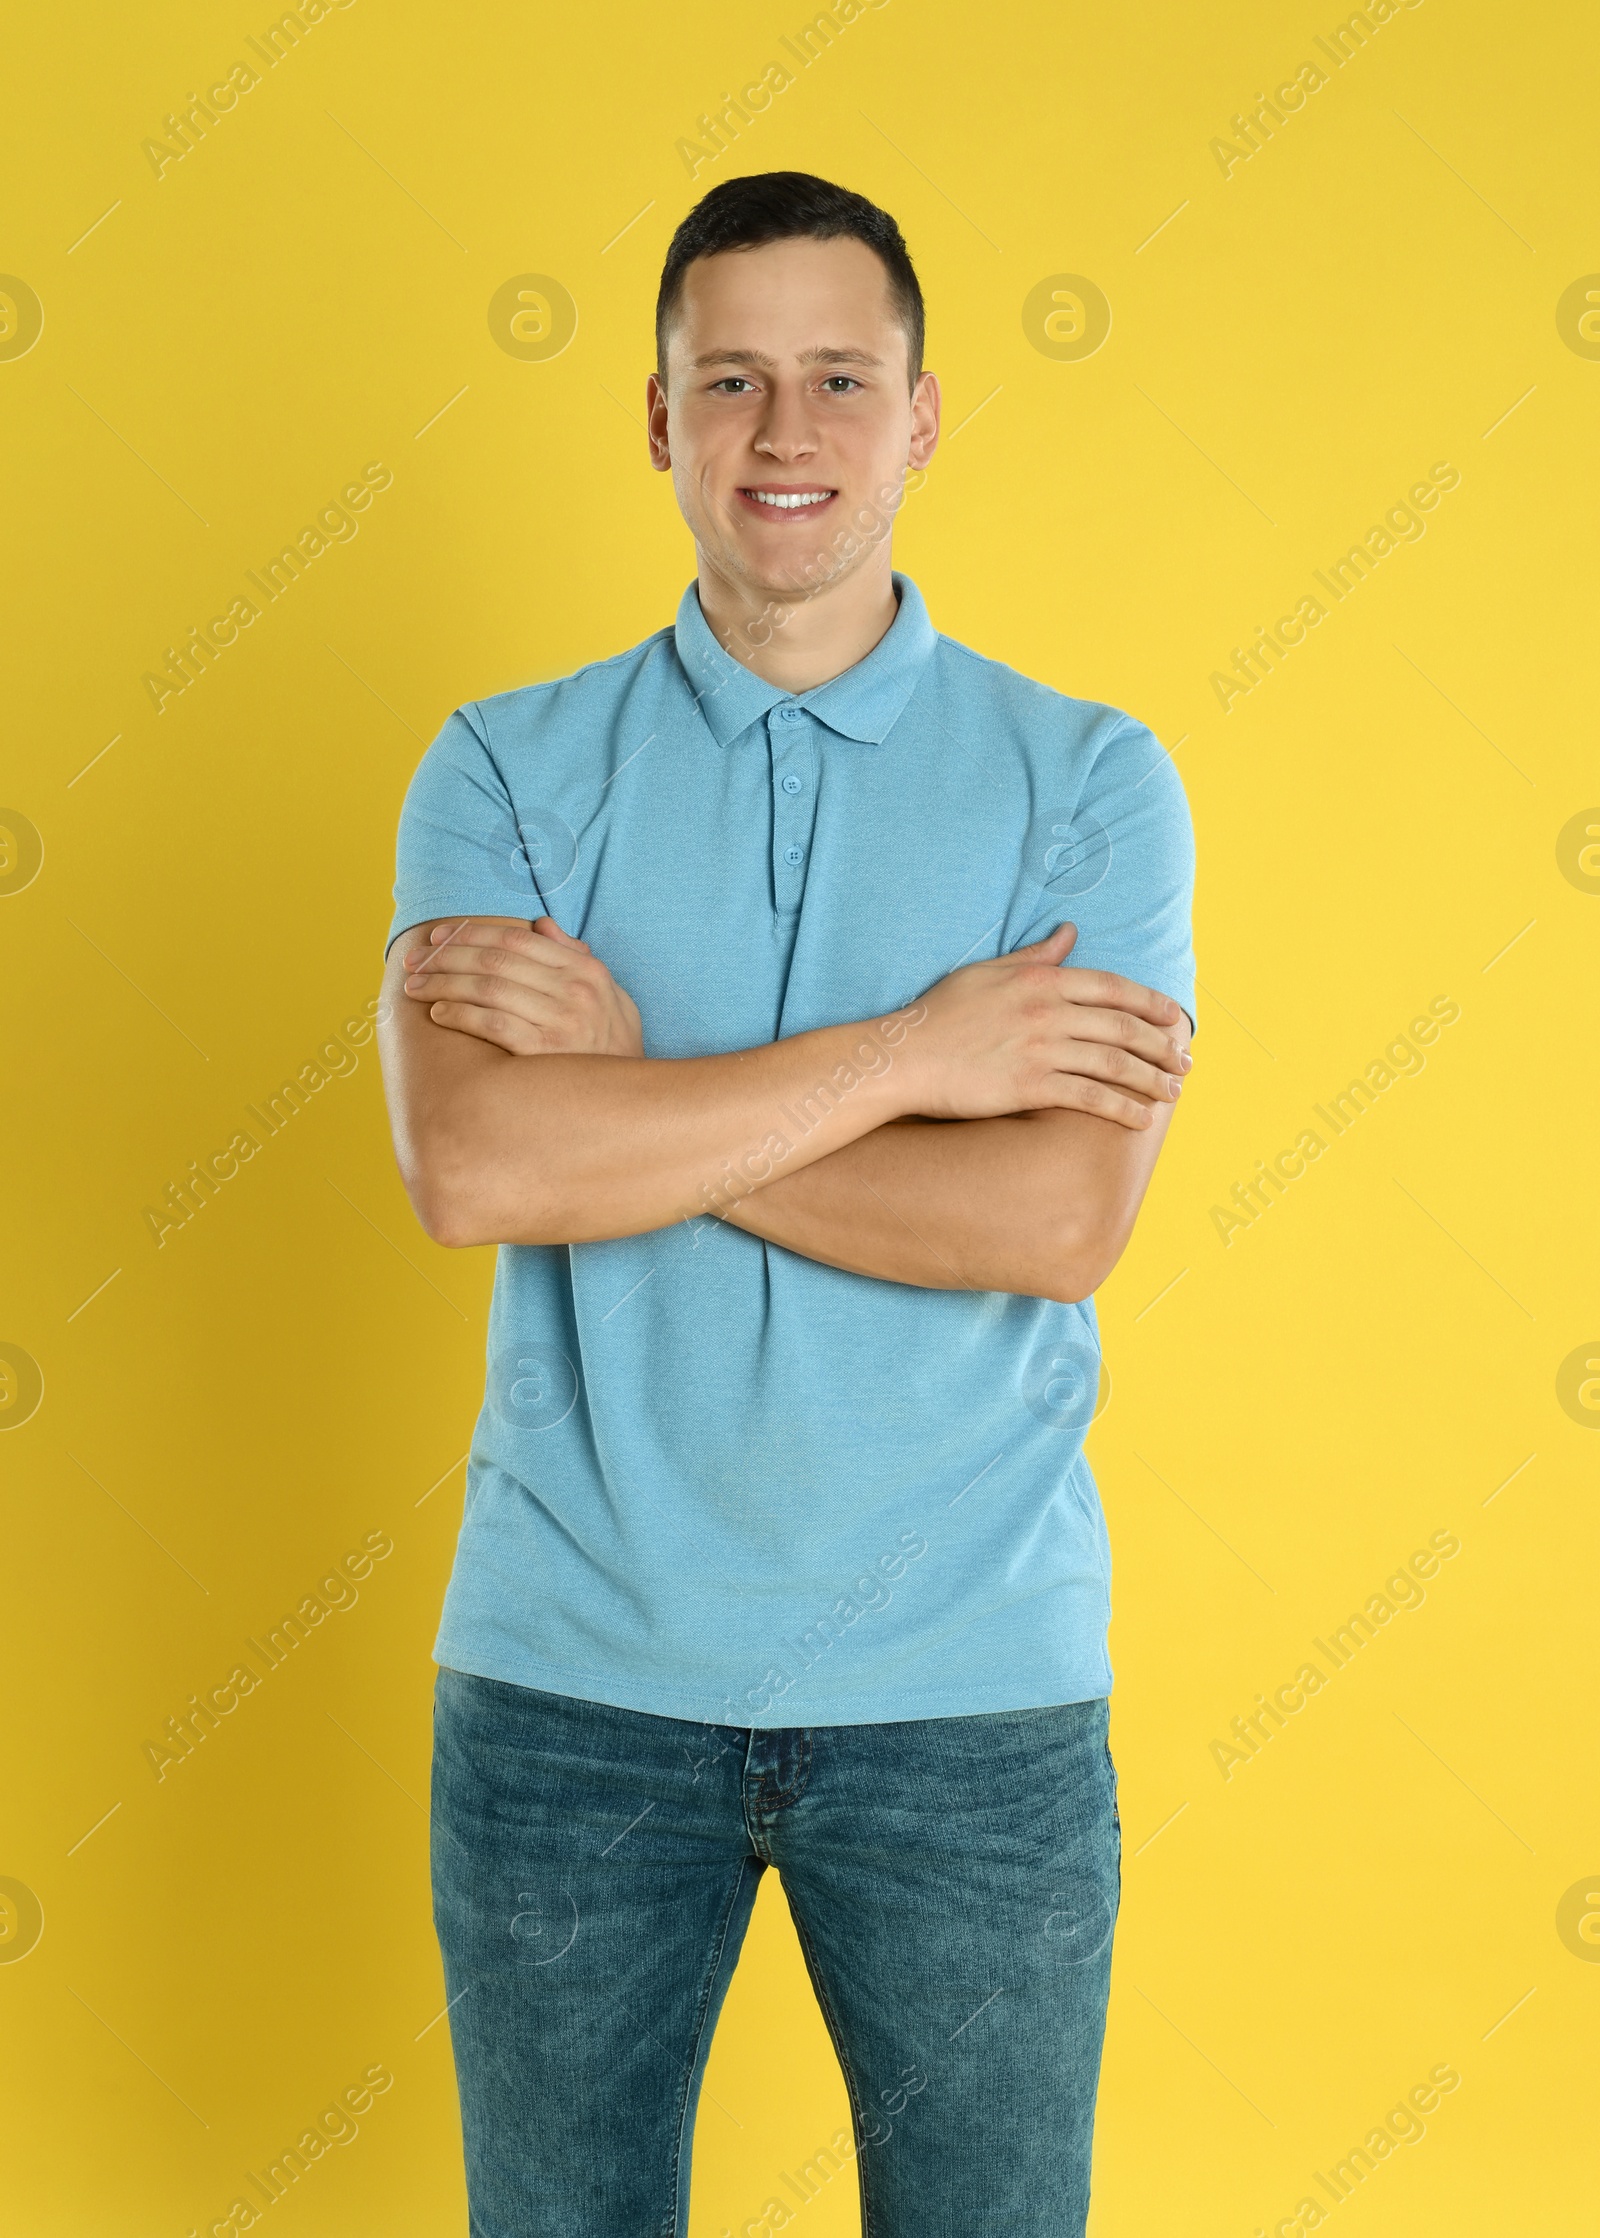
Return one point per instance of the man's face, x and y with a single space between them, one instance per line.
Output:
788 421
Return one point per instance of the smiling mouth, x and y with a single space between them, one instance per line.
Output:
772 500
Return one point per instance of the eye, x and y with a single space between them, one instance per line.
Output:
731 382
847 380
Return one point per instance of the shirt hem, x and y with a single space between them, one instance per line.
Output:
684 1704
451 904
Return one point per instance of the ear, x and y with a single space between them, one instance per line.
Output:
926 405
655 408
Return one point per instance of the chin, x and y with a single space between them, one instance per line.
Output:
764 581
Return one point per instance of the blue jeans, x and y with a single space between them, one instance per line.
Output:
954 1883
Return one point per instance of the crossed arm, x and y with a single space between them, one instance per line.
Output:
1041 1203
998 1135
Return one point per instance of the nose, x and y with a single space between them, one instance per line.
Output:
788 431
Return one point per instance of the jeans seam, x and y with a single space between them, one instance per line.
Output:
703 2004
768 1799
868 2221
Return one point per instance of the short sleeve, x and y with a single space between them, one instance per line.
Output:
1121 867
459 850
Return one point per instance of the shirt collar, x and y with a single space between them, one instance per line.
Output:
864 703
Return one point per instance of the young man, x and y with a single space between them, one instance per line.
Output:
780 1547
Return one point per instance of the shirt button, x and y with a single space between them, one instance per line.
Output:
791 784
789 714
794 855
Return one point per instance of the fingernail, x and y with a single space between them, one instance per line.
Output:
1186 1060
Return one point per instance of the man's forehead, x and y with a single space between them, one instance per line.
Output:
816 353
831 277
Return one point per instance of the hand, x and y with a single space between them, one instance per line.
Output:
529 988
1025 1033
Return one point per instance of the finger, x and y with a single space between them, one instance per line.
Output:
485 1023
451 929
1051 949
1073 1092
552 931
519 957
1118 1068
478 932
414 955
520 938
536 1006
1122 1029
515 934
1109 990
470 929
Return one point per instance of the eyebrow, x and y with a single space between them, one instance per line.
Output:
818 356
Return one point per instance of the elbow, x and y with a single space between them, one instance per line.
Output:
446 1196
460 1206
1066 1286
446 1222
442 1211
1076 1262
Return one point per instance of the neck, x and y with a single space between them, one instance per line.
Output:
825 632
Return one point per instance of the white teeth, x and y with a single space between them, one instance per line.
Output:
787 500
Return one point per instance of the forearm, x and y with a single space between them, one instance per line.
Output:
1017 1204
563 1148
523 1112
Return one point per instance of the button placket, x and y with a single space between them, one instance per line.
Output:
794 804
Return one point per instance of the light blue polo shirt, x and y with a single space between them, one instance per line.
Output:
713 1479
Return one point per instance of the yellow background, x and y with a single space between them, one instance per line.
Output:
223 348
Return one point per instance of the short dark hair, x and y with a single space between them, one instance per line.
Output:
790 206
